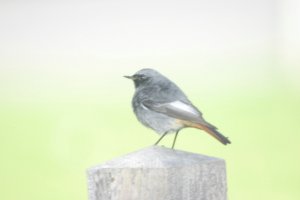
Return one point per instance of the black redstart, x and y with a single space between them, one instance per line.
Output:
160 104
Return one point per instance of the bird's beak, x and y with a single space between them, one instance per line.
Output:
130 77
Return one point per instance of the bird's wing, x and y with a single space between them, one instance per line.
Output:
178 110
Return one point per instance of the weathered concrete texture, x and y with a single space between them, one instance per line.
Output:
158 173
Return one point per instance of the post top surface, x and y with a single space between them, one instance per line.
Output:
157 157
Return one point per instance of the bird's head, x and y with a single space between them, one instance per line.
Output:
144 77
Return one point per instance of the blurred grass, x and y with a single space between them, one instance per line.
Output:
46 147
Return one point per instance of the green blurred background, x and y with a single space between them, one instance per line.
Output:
64 105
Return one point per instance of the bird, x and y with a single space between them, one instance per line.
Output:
161 105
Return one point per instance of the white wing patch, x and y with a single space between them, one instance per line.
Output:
185 107
176 109
143 106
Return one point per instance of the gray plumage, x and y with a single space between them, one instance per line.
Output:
161 105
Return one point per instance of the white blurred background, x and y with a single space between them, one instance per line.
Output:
67 46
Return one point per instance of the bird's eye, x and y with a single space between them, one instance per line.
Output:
143 77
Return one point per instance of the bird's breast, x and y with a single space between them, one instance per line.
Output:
159 122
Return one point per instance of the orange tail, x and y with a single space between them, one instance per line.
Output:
213 132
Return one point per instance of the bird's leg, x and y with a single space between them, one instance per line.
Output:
175 139
165 133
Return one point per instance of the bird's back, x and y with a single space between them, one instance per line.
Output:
160 92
